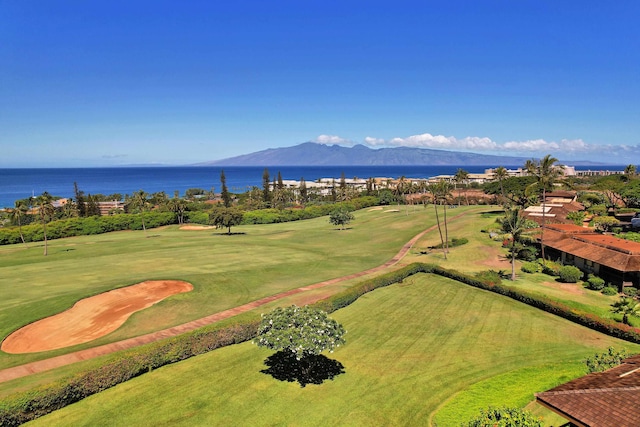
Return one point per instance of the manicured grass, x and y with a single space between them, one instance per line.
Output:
412 349
226 271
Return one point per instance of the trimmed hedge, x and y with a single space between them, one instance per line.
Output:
86 226
25 406
22 407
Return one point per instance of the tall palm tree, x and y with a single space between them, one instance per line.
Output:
44 204
546 174
16 214
500 173
627 307
140 202
462 177
515 225
440 191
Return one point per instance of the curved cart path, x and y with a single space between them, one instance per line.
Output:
77 356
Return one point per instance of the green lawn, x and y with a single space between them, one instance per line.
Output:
427 349
226 271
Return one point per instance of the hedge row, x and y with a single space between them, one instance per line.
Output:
270 216
85 226
26 406
606 326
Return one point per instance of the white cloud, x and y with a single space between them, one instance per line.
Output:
332 140
374 141
533 147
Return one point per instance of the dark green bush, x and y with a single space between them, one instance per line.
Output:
452 243
531 267
609 290
551 268
630 292
569 274
595 283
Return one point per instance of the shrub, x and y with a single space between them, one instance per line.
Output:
600 362
609 290
630 292
504 417
595 283
605 223
551 268
570 274
528 253
531 267
490 277
452 243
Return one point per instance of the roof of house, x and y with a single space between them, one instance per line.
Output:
603 399
618 254
557 206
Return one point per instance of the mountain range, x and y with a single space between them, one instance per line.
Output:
313 154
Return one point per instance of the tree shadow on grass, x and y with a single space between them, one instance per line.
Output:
313 369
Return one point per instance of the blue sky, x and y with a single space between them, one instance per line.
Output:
121 82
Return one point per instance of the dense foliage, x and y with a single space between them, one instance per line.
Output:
600 362
504 417
570 274
304 331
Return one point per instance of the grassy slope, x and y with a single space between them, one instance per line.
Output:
226 271
410 348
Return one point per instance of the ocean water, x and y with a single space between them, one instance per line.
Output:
22 183
18 184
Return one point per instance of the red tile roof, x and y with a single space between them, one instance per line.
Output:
604 399
618 254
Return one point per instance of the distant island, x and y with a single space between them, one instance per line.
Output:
313 154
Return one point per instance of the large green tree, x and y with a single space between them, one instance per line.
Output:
303 331
224 193
139 202
223 217
340 216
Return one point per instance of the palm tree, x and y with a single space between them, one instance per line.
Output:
630 170
140 201
627 307
45 211
500 173
546 174
461 177
440 191
16 214
515 225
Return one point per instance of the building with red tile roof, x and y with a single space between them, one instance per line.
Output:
603 399
613 259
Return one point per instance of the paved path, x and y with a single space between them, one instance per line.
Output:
77 356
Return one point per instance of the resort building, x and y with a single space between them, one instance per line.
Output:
602 399
615 260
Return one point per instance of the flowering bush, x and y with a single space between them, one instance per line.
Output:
303 331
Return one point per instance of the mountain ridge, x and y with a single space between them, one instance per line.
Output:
314 154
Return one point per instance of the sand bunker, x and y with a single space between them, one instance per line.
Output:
196 227
91 318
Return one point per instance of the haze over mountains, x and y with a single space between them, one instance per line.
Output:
313 154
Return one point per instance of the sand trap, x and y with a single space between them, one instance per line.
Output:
379 208
392 210
196 227
91 318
